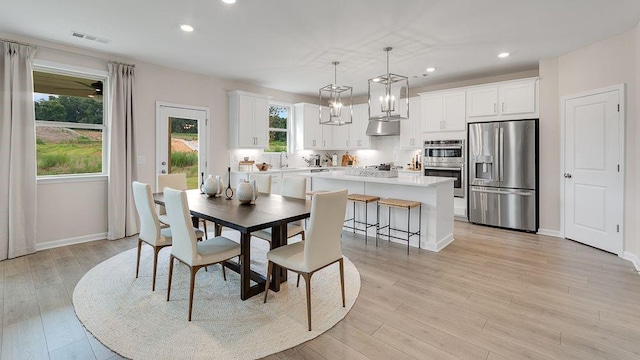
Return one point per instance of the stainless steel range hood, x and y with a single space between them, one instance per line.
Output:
383 128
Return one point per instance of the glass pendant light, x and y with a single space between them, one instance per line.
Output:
339 102
389 96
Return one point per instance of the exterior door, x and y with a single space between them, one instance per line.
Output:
593 181
181 141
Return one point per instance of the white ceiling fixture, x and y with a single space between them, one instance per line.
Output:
388 95
339 98
431 69
229 1
503 55
186 28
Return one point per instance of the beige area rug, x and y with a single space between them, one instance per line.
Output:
126 316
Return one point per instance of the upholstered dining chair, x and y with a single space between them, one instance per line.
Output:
150 231
321 247
194 254
263 182
175 181
292 186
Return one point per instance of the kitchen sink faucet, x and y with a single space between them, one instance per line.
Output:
286 157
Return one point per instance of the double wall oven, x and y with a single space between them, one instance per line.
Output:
445 158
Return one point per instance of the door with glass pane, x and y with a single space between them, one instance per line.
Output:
182 142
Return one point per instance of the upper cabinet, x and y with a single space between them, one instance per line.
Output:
444 111
310 135
503 101
358 138
411 128
248 120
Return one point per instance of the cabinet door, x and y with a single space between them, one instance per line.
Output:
340 136
312 129
416 115
361 120
246 138
433 114
453 105
518 98
260 123
482 101
326 140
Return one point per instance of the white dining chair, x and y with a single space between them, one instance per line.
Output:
195 254
295 187
175 181
150 231
263 182
321 248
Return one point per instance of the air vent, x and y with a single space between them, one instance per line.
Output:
90 37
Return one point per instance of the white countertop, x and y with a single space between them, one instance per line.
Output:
287 170
402 179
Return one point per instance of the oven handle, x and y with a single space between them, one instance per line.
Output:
443 147
443 168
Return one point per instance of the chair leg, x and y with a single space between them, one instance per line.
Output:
138 261
298 282
224 273
204 225
266 284
342 280
302 235
170 275
307 280
156 250
192 283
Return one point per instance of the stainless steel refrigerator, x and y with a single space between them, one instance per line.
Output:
503 174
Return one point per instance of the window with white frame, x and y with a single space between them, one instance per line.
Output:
280 116
70 122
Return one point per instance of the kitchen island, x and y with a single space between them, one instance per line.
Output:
435 194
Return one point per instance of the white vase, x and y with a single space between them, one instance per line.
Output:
247 192
213 186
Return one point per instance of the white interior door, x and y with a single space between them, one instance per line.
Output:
593 178
181 141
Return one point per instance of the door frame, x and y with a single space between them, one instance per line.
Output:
621 88
207 151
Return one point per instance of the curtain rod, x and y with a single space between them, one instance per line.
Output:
121 63
17 42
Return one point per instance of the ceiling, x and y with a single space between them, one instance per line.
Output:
289 45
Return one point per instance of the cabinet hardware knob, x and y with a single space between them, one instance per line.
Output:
567 175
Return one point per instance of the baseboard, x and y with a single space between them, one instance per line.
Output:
439 245
548 232
633 258
70 241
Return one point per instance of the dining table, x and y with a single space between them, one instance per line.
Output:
269 211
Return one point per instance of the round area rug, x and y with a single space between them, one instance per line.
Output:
126 316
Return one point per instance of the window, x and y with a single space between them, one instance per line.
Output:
69 111
279 128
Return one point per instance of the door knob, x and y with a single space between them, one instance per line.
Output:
164 171
164 163
567 175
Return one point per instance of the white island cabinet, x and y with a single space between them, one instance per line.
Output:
435 194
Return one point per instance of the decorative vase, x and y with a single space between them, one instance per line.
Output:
213 186
247 192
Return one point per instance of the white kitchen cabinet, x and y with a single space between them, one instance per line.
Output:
248 120
340 135
358 138
503 101
444 111
411 128
310 135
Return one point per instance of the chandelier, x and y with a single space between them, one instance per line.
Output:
339 100
389 96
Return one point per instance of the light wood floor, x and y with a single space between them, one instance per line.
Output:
491 294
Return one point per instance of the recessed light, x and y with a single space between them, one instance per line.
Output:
229 1
431 69
503 55
186 28
376 80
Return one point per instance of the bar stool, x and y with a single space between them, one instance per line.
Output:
363 199
399 204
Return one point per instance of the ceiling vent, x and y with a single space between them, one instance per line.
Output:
90 37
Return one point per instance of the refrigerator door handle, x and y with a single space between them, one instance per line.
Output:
501 164
502 192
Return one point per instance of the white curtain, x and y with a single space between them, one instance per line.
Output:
122 153
17 151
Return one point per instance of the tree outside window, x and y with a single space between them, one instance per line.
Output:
279 134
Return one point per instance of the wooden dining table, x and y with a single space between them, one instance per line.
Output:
269 211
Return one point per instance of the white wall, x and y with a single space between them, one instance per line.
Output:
609 62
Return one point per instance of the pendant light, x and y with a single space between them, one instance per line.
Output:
389 96
339 102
